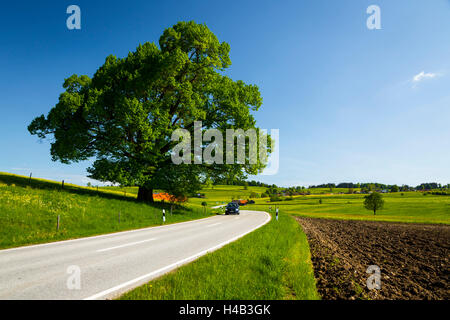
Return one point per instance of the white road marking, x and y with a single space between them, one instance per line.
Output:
214 224
173 265
125 245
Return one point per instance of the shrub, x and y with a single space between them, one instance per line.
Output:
440 193
274 198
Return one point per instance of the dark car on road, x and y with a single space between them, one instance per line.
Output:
232 208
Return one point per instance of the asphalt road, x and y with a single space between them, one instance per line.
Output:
105 266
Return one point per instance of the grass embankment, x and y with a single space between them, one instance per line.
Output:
272 262
29 210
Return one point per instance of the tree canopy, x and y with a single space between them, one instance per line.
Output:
123 116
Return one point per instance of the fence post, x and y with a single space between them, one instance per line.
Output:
57 223
31 173
62 185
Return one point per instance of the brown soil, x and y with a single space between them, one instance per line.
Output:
413 258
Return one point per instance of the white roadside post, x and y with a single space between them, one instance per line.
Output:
276 212
164 215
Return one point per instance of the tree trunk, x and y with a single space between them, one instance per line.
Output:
145 194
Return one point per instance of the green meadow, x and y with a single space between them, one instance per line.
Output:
412 207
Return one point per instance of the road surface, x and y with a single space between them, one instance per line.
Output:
105 266
219 206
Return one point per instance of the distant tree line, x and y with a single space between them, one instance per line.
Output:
275 192
243 183
363 187
432 186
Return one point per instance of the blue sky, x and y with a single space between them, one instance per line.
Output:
351 104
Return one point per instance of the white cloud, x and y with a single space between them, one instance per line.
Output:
421 76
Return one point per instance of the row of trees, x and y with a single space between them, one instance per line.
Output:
351 185
433 186
252 183
364 187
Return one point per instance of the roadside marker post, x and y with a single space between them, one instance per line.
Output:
164 215
276 212
57 223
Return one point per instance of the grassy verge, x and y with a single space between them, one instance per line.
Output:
29 210
272 262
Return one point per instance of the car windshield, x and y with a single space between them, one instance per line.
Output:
231 205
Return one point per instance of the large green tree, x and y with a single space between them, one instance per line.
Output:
123 116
